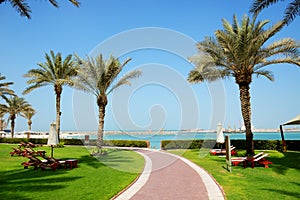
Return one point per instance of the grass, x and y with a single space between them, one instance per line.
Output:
100 178
280 181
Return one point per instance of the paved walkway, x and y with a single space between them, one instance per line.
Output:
167 176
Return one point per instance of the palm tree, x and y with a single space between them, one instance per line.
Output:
28 114
55 72
24 9
97 76
4 87
291 11
240 51
14 106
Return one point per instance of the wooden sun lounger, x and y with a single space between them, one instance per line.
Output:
53 166
33 161
261 160
222 151
237 160
23 144
16 151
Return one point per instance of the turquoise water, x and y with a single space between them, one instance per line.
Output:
155 139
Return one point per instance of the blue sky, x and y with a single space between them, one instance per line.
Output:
153 105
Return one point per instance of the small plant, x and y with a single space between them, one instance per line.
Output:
99 152
60 145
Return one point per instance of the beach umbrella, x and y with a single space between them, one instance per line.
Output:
220 134
294 121
53 137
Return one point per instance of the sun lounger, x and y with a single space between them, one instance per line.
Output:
57 160
16 151
261 160
53 166
50 159
29 151
222 151
23 144
237 160
31 145
33 161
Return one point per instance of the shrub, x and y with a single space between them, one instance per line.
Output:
239 144
72 141
60 145
127 143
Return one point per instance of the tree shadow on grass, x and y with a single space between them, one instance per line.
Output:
284 192
115 158
15 183
291 160
112 159
90 161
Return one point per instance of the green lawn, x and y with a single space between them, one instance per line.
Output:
280 181
91 180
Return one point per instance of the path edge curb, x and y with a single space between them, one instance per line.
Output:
213 188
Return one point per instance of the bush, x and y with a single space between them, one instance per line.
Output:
60 145
239 144
127 143
72 141
118 143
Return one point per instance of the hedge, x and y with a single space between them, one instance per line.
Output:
119 143
123 143
239 144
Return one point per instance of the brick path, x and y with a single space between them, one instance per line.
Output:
171 177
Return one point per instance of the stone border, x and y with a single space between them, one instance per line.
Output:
140 182
214 190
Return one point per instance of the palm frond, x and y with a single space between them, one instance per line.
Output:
75 3
55 71
266 73
125 80
259 5
22 7
279 61
292 10
286 47
239 50
28 113
97 75
54 3
4 87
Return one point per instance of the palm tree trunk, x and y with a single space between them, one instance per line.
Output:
29 128
101 102
1 124
58 91
246 113
100 126
29 125
12 125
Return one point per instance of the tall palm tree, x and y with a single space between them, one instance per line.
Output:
55 72
240 51
14 106
98 76
4 87
28 114
23 8
291 11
